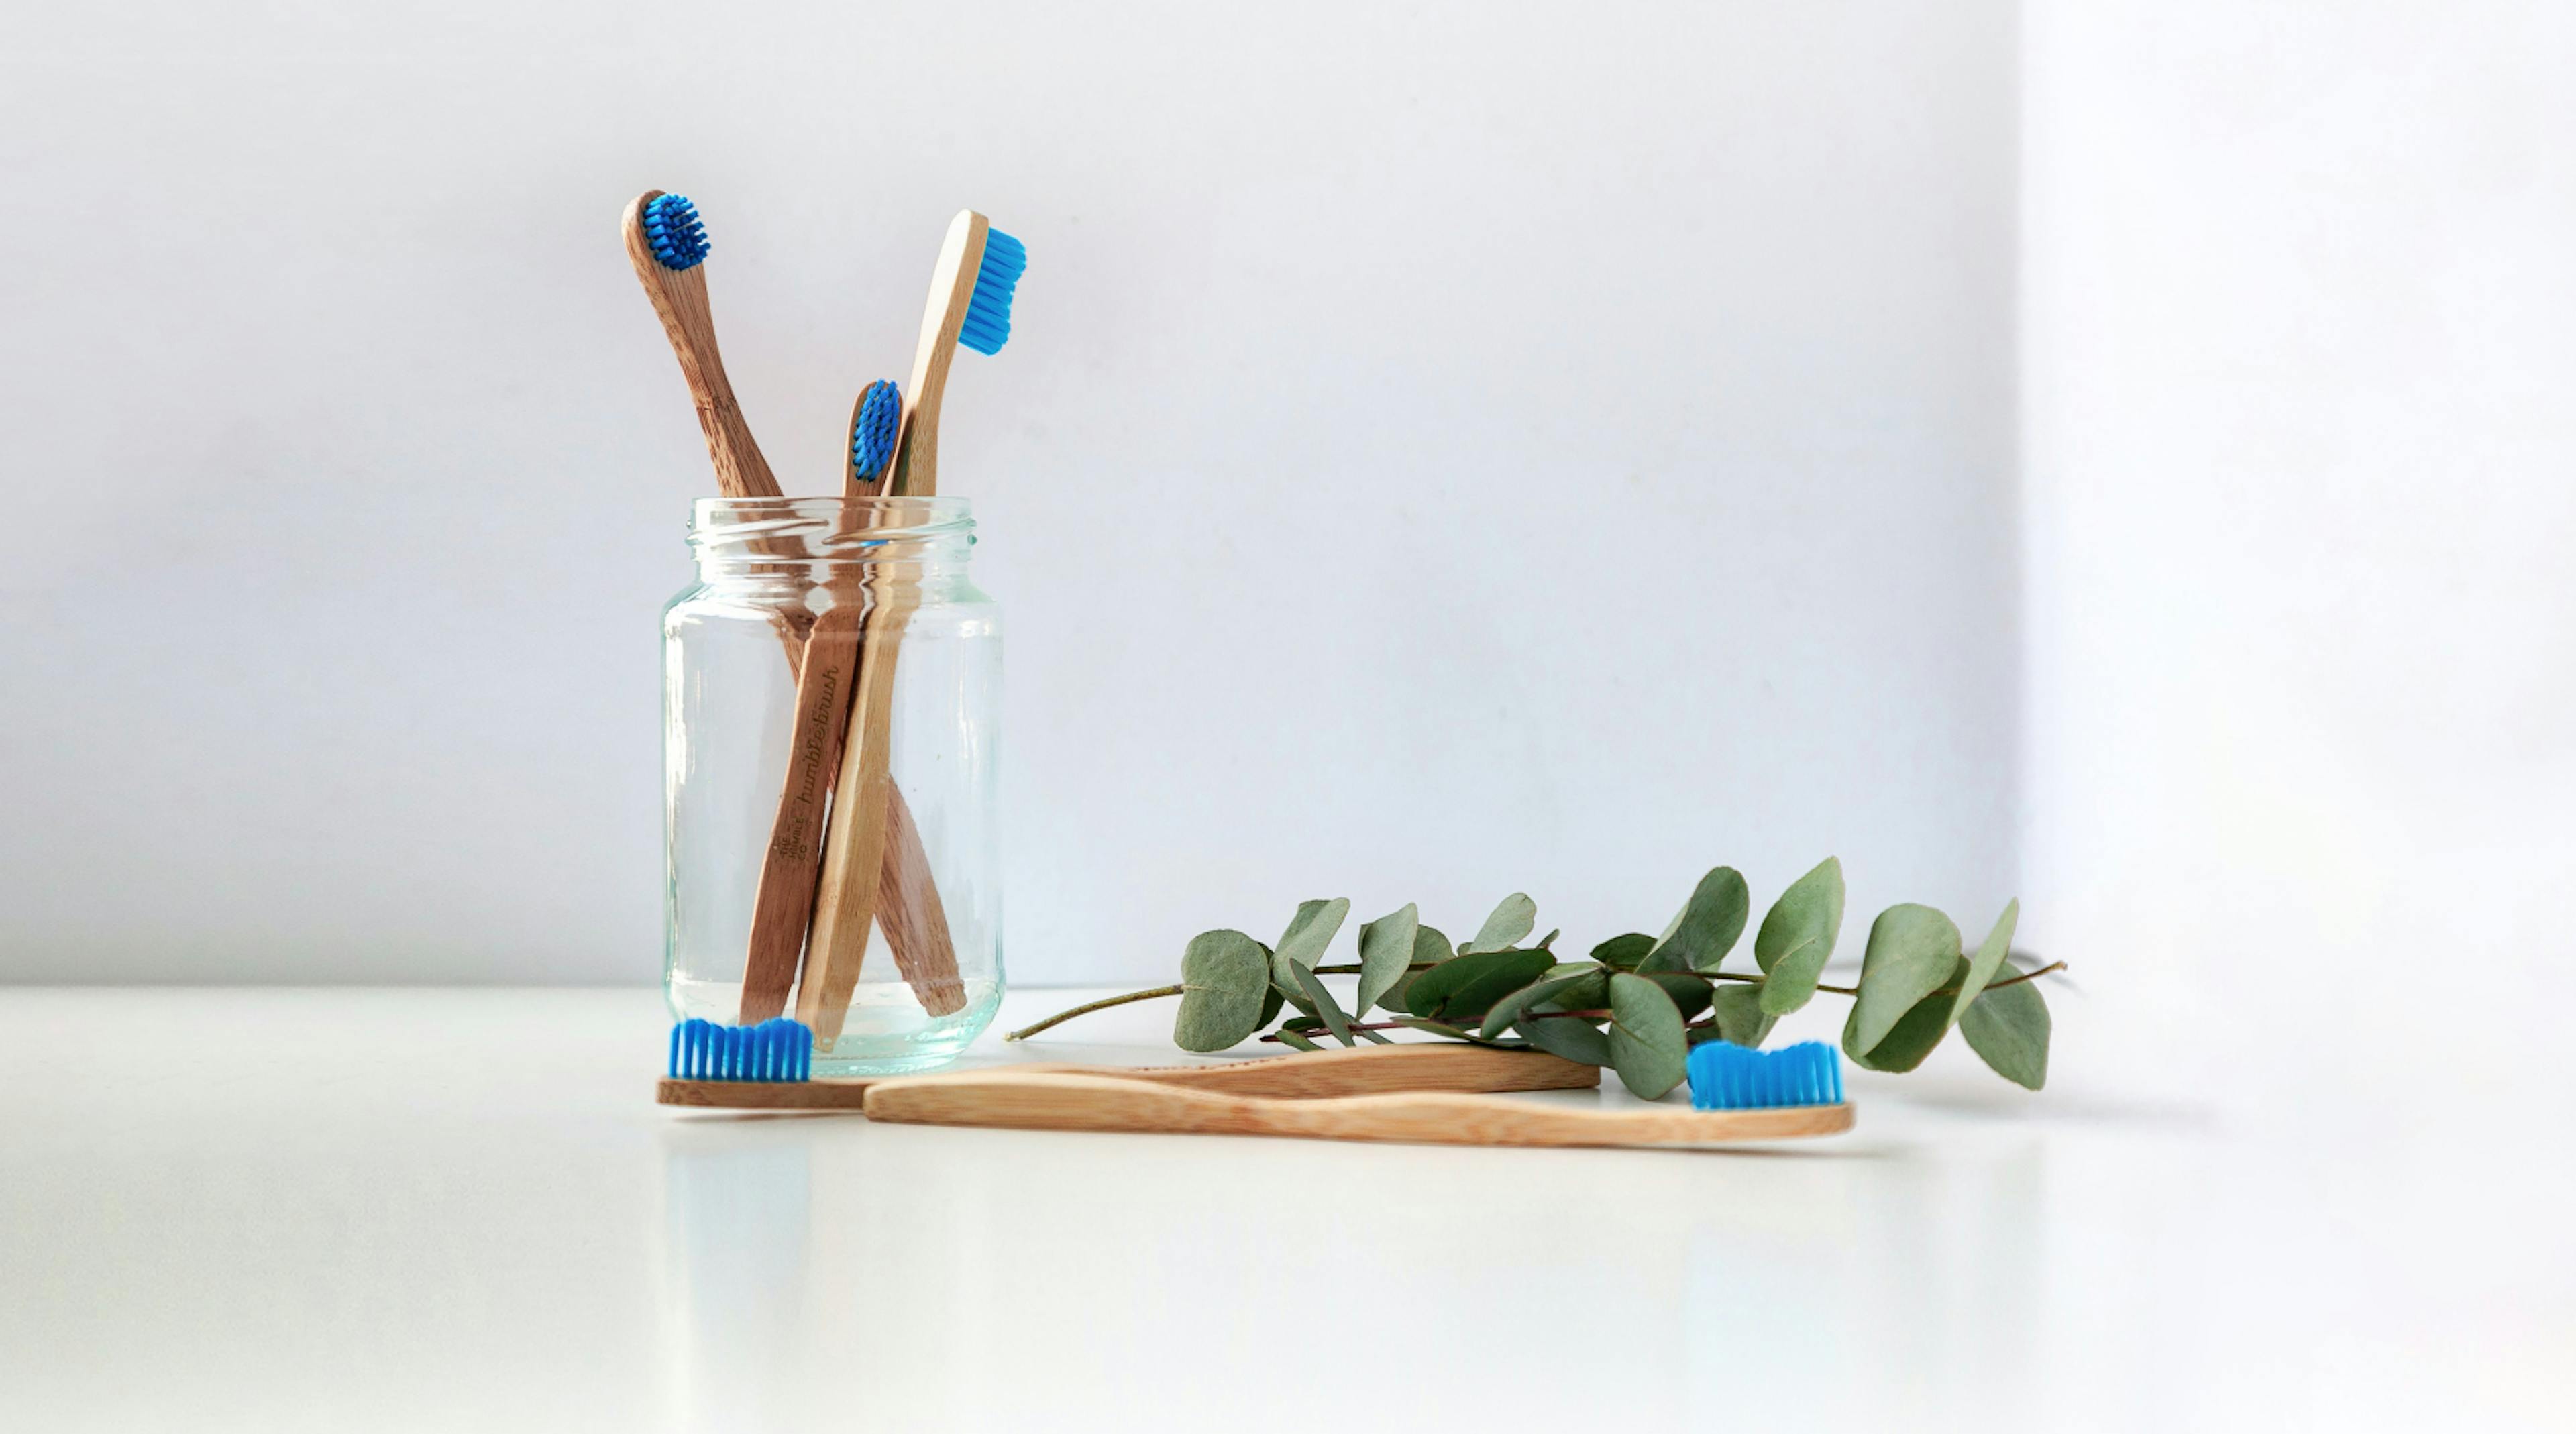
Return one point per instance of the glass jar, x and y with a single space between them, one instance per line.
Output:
830 697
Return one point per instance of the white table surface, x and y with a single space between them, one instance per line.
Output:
396 1209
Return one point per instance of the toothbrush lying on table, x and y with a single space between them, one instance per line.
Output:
769 1067
666 242
1736 1095
970 302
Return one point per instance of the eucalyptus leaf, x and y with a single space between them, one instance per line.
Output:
1707 928
1430 948
1500 1016
1690 994
1465 987
1989 958
1797 937
1912 952
1740 1017
1511 920
1648 1047
1567 1037
1325 1005
1222 978
1291 1038
1907 1042
1386 953
2008 1028
1309 932
1624 952
1271 1000
1916 1034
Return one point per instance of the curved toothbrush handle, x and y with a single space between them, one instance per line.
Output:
1084 1102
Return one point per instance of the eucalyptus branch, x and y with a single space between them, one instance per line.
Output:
1233 986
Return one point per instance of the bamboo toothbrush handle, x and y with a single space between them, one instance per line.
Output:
1087 1102
952 292
680 297
1367 1070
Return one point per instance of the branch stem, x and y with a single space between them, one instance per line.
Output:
1060 1017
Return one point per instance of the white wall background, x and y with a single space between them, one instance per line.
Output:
2301 464
1558 446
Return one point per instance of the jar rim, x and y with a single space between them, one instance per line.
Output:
888 517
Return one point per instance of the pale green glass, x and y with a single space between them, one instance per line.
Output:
765 567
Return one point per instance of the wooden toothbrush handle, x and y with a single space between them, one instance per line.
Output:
907 898
1086 1102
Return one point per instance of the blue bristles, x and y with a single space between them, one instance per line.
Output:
1726 1076
872 432
671 226
988 313
776 1050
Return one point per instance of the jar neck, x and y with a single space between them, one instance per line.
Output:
831 540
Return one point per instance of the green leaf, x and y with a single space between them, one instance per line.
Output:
1291 1038
1465 987
1912 950
1386 953
1547 991
1690 994
1271 1000
1647 1045
1548 940
1708 926
1325 1005
1430 948
1740 1017
1989 958
1624 952
1309 932
1222 977
1907 1042
1568 1038
2008 1028
1797 937
1511 920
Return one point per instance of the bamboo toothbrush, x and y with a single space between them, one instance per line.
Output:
825 680
716 1067
666 241
970 302
1737 1095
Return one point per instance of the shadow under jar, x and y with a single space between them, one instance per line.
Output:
856 807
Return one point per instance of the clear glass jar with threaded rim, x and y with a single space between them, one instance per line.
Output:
830 705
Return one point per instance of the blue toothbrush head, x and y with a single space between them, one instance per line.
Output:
988 313
1725 1076
778 1050
671 226
872 432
